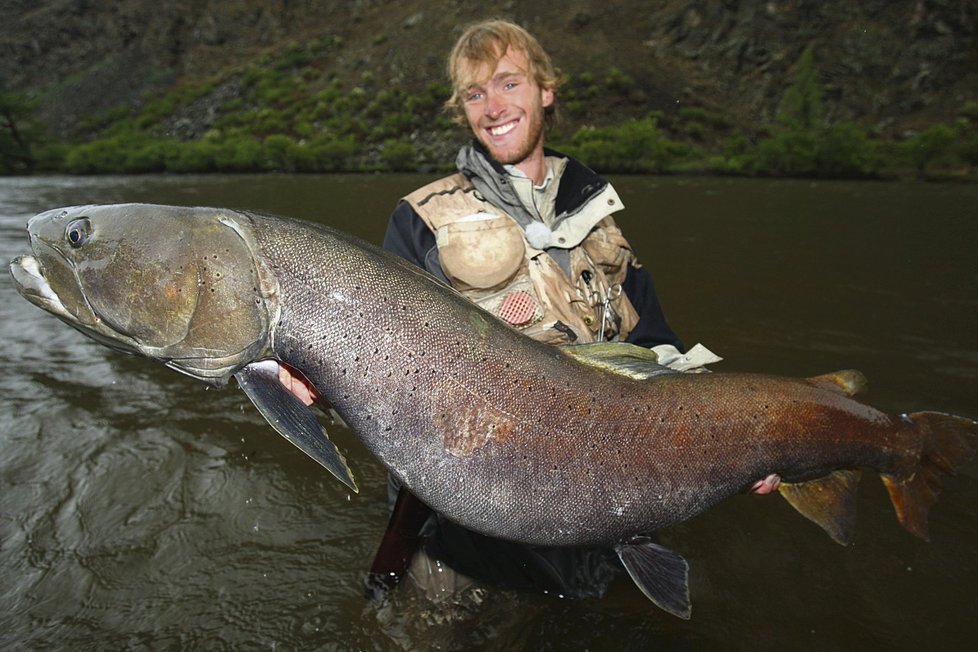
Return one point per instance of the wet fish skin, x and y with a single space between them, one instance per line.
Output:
507 436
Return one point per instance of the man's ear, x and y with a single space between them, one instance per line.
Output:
547 96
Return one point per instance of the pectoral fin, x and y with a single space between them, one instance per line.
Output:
291 419
661 574
828 501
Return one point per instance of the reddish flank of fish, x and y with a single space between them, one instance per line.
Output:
586 445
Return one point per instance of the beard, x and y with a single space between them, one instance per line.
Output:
515 153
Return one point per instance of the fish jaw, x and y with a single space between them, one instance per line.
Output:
31 284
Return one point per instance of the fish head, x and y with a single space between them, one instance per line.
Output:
176 284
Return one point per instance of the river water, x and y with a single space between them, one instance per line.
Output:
140 510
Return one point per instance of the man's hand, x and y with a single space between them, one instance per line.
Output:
297 384
767 485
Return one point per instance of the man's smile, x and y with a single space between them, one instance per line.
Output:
503 129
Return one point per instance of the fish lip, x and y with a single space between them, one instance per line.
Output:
30 282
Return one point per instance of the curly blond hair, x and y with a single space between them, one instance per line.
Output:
484 44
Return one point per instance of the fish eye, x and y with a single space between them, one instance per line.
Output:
77 232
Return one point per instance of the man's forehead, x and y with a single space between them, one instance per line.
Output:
512 62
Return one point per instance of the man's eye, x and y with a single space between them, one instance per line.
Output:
473 97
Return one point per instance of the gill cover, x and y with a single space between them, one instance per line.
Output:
181 285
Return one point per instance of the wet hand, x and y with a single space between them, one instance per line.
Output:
767 485
297 385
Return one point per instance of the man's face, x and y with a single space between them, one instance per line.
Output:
504 108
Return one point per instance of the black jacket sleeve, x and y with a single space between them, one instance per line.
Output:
408 236
652 328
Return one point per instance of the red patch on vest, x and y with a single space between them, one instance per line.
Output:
518 308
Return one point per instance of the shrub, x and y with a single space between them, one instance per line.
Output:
636 146
845 150
278 153
399 156
928 146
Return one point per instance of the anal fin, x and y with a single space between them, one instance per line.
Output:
291 418
829 501
661 574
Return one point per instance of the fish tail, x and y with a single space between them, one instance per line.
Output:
946 442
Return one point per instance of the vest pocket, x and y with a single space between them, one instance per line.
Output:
518 305
480 252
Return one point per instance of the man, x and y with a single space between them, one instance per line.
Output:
526 233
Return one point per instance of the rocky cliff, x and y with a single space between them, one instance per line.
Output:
892 65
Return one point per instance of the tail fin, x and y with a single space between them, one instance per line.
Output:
947 442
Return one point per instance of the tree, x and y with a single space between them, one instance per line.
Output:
16 133
801 106
802 143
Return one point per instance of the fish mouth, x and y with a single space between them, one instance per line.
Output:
30 282
28 275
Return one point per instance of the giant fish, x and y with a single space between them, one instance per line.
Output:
593 445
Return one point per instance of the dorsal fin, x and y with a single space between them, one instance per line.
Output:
848 381
622 358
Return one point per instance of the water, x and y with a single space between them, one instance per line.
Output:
140 510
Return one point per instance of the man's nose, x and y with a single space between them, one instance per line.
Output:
494 105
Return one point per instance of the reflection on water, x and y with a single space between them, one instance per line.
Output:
142 510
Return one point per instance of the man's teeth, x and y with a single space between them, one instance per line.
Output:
502 129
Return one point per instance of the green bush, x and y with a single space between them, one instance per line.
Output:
399 156
153 156
928 147
332 154
97 157
968 149
279 153
844 150
636 146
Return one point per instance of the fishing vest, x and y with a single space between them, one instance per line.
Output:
485 255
